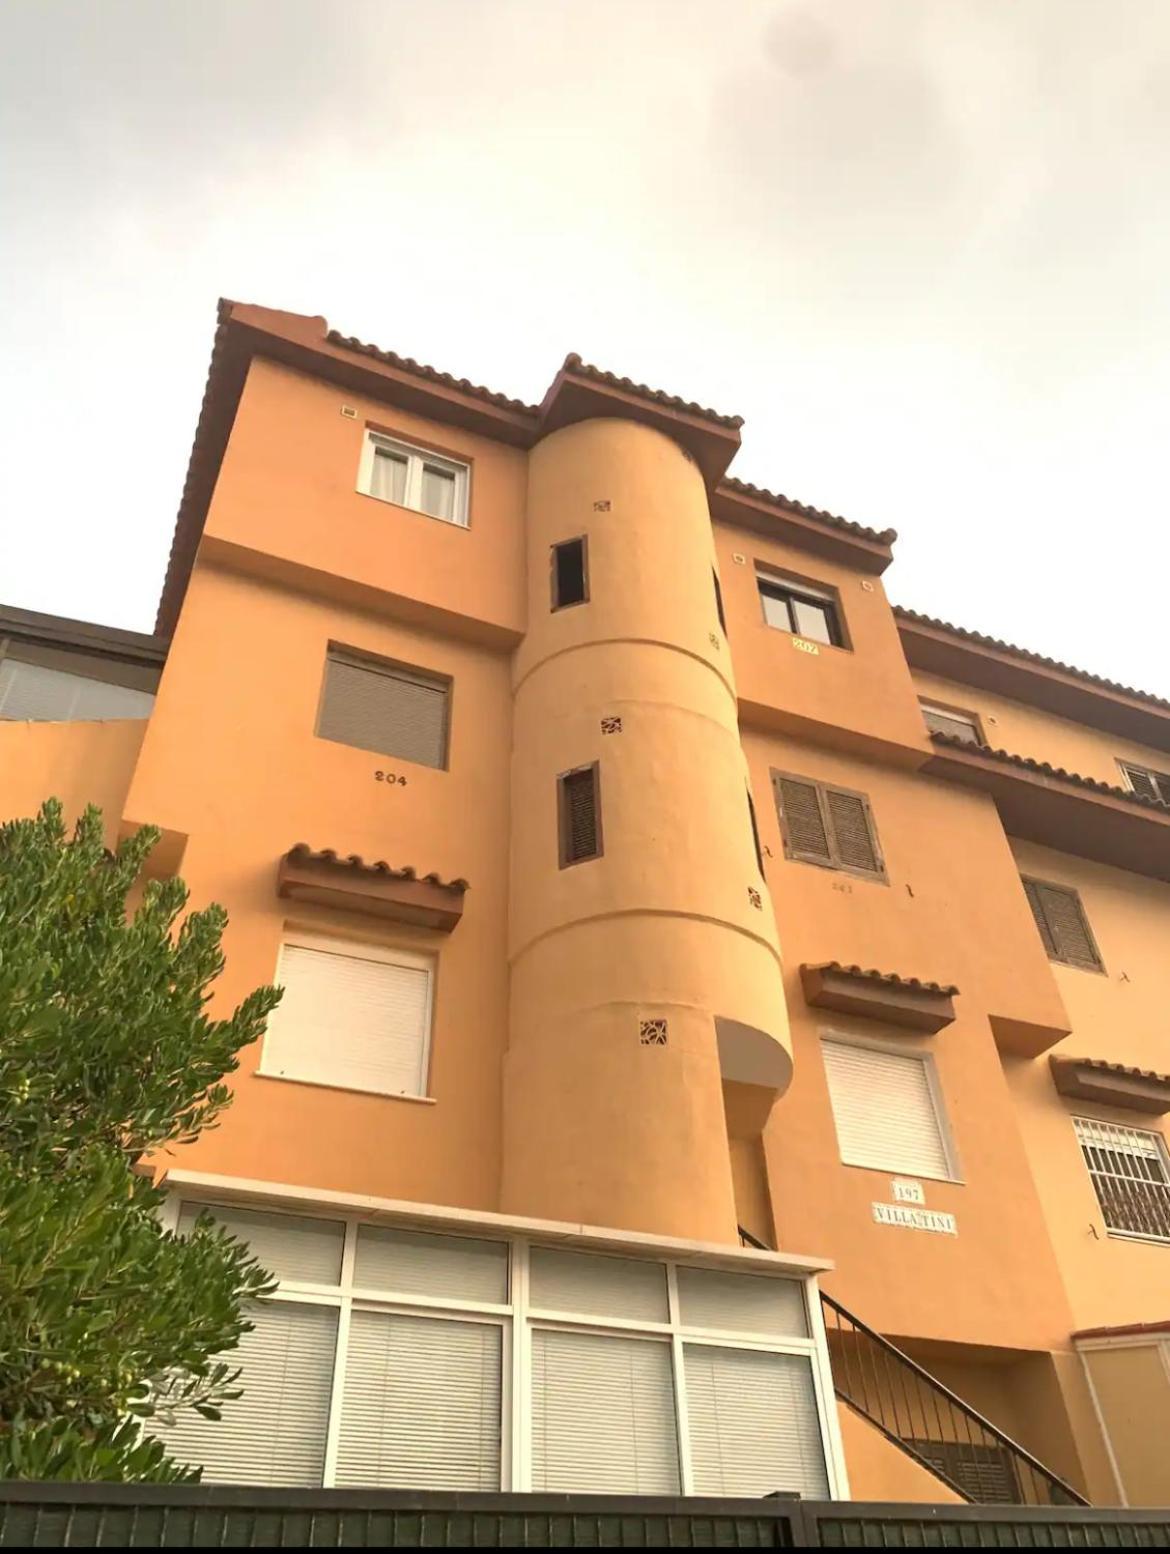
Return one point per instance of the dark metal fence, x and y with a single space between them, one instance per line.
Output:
215 1516
962 1448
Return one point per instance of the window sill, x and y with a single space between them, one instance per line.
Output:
323 1084
1136 1235
890 1172
417 512
873 876
1072 965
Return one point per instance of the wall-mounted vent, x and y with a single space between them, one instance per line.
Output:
652 1033
611 725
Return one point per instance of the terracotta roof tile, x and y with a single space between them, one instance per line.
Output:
431 374
303 853
1028 656
1100 1066
745 488
1124 1330
1045 769
573 363
890 978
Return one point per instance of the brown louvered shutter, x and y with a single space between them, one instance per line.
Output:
805 833
1063 924
579 816
1151 785
384 708
855 845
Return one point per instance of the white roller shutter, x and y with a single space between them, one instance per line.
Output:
589 1285
411 1262
275 1432
753 1423
289 1246
421 1407
602 1415
348 1019
885 1111
742 1303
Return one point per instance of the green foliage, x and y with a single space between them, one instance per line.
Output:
106 1053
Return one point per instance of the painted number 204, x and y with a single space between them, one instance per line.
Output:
390 777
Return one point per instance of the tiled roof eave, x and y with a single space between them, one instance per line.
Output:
1047 770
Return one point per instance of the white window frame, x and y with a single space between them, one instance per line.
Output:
416 458
1163 1149
517 1318
937 1100
362 950
971 719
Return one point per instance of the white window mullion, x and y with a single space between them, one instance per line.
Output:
519 1426
337 1397
414 476
681 1421
826 1396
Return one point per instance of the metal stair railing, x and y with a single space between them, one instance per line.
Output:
928 1421
931 1423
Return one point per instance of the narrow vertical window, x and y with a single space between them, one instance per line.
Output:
570 573
579 815
755 832
719 602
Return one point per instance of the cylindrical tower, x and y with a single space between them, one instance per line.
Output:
644 976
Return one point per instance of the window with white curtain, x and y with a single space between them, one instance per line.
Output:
408 476
353 1015
397 1357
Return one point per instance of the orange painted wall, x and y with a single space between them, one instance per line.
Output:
879 1470
1120 1016
79 763
231 760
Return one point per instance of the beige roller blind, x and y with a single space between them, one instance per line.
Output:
885 1112
602 1415
584 1284
753 1423
36 694
742 1303
421 1407
384 708
289 1246
275 1432
351 1021
412 1262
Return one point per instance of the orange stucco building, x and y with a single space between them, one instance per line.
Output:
572 788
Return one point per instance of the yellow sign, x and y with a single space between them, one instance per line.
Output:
805 646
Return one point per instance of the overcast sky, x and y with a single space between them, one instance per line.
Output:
922 246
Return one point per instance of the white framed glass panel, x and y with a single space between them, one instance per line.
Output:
388 476
585 1284
742 1302
412 1262
438 492
812 621
290 1246
603 1418
421 1405
753 1423
274 1433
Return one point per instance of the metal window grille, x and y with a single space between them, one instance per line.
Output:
1130 1173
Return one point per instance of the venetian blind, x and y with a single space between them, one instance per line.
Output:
587 1285
421 1406
753 1423
603 1416
275 1432
345 1020
884 1110
384 708
742 1302
37 694
411 1262
290 1246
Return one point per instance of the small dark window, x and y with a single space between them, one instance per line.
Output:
1150 784
376 705
826 825
963 726
579 815
755 832
719 602
1063 926
570 573
801 608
